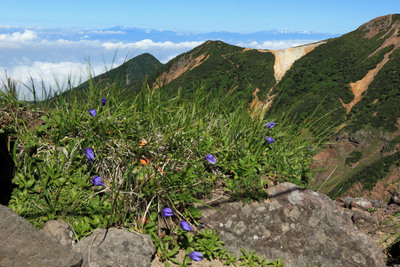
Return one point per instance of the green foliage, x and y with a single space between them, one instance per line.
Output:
207 243
389 147
354 157
131 73
9 92
368 175
392 250
222 67
251 259
382 97
150 150
324 75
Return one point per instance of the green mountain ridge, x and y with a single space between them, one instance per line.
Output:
219 65
130 73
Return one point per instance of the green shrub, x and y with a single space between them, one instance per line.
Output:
354 157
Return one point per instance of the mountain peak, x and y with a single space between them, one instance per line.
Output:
380 24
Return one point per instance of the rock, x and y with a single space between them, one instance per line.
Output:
363 220
59 230
394 196
116 247
355 140
21 244
392 209
303 227
361 203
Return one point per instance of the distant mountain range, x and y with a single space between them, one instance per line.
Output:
128 34
354 79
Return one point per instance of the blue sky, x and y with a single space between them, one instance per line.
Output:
54 40
329 16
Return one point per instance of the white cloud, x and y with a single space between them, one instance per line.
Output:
164 61
68 43
149 44
108 32
16 38
275 45
55 76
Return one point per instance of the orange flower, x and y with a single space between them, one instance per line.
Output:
142 142
144 161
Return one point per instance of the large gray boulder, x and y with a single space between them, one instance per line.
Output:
303 227
21 244
116 247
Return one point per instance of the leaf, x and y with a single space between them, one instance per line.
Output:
30 182
174 260
173 252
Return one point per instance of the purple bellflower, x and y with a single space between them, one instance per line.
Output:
97 180
210 158
269 140
103 101
196 256
92 112
186 226
270 125
89 154
167 212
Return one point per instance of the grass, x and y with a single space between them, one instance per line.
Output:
150 151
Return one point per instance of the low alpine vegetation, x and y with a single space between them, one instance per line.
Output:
142 162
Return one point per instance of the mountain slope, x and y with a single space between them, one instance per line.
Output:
347 74
129 73
219 65
352 79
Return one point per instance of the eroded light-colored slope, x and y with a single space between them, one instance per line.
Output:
285 58
359 87
180 67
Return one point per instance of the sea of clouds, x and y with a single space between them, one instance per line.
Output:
56 58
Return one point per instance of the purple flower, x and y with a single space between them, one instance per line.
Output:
97 180
92 112
210 158
269 125
196 256
186 226
89 154
167 212
269 140
103 101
